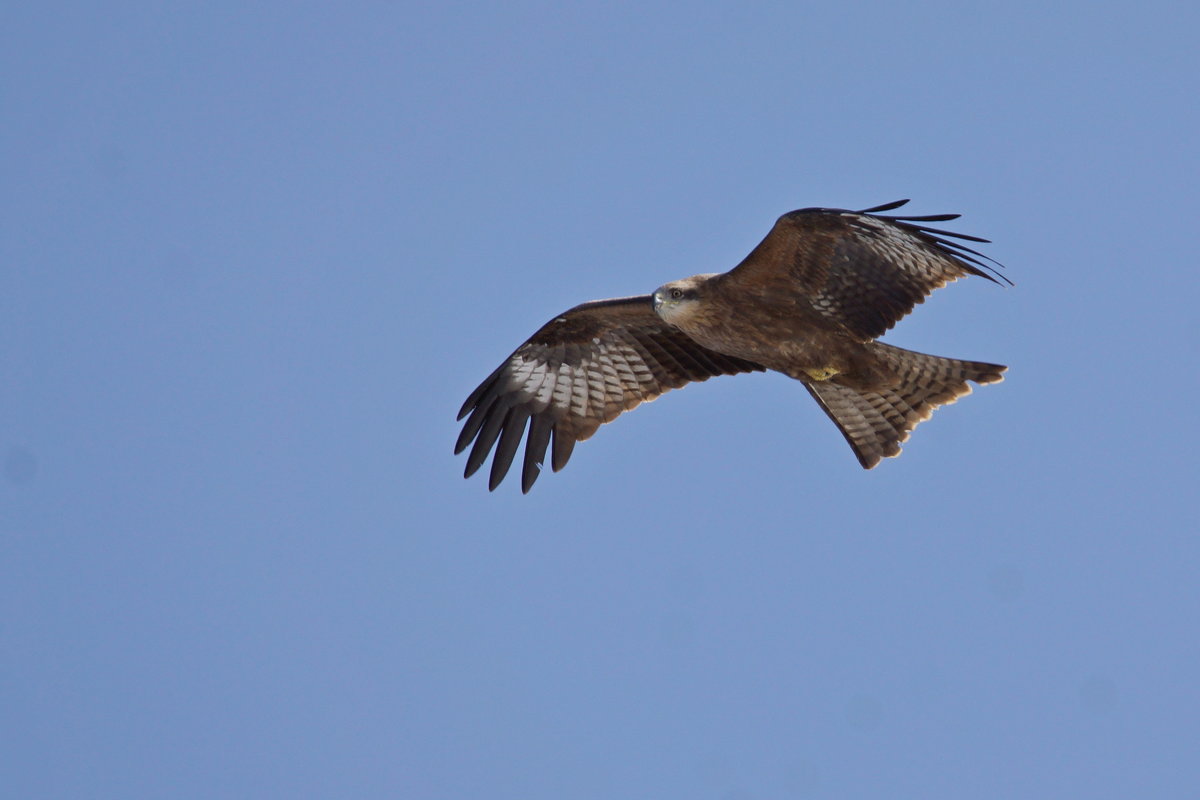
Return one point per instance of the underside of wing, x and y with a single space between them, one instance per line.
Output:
863 269
582 369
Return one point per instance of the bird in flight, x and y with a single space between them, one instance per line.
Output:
809 301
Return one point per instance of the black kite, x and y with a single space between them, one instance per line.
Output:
809 302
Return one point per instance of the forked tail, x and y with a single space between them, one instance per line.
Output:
876 422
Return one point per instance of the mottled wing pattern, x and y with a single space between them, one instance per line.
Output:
861 269
581 370
876 422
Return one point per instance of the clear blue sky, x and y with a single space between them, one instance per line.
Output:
254 256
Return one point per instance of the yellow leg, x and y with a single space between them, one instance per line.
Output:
822 374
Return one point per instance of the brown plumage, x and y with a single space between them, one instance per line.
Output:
809 302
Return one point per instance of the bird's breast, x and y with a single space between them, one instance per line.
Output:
789 337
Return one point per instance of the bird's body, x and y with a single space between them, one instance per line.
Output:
808 302
783 335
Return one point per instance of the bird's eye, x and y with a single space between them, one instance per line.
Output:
677 294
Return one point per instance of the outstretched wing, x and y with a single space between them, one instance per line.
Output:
581 370
862 269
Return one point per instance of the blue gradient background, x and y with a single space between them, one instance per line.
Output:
254 256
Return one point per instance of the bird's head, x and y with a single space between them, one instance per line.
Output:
676 300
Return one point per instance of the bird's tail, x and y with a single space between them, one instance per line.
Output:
876 421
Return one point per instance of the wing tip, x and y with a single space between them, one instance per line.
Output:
885 207
975 262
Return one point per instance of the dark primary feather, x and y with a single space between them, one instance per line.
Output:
884 207
861 269
580 370
933 235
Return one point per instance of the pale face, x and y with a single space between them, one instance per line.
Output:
676 300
